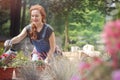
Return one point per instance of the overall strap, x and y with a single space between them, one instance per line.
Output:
44 32
43 35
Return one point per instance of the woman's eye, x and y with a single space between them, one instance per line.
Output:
34 16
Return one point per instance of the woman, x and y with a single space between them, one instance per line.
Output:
41 35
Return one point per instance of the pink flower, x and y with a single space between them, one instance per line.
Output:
84 65
117 23
5 55
116 75
111 36
97 60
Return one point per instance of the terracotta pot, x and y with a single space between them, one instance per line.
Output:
17 72
6 74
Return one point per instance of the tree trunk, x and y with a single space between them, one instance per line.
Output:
15 17
66 33
23 15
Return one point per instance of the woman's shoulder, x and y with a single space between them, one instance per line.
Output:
28 27
49 26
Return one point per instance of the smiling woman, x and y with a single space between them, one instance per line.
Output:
40 33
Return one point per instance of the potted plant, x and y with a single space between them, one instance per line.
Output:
40 65
19 61
6 72
10 64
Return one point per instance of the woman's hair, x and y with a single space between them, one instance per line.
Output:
33 31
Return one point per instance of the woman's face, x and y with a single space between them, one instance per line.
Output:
36 16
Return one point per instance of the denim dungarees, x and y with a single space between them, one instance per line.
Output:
41 46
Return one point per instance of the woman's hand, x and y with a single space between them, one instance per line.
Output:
46 61
8 43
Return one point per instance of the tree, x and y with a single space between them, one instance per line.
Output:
63 9
15 10
112 9
23 14
4 11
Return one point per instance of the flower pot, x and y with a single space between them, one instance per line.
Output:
6 74
17 72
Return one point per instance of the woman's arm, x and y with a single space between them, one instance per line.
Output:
19 37
52 45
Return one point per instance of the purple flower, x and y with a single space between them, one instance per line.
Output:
116 75
75 78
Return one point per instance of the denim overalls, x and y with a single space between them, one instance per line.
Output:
41 46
